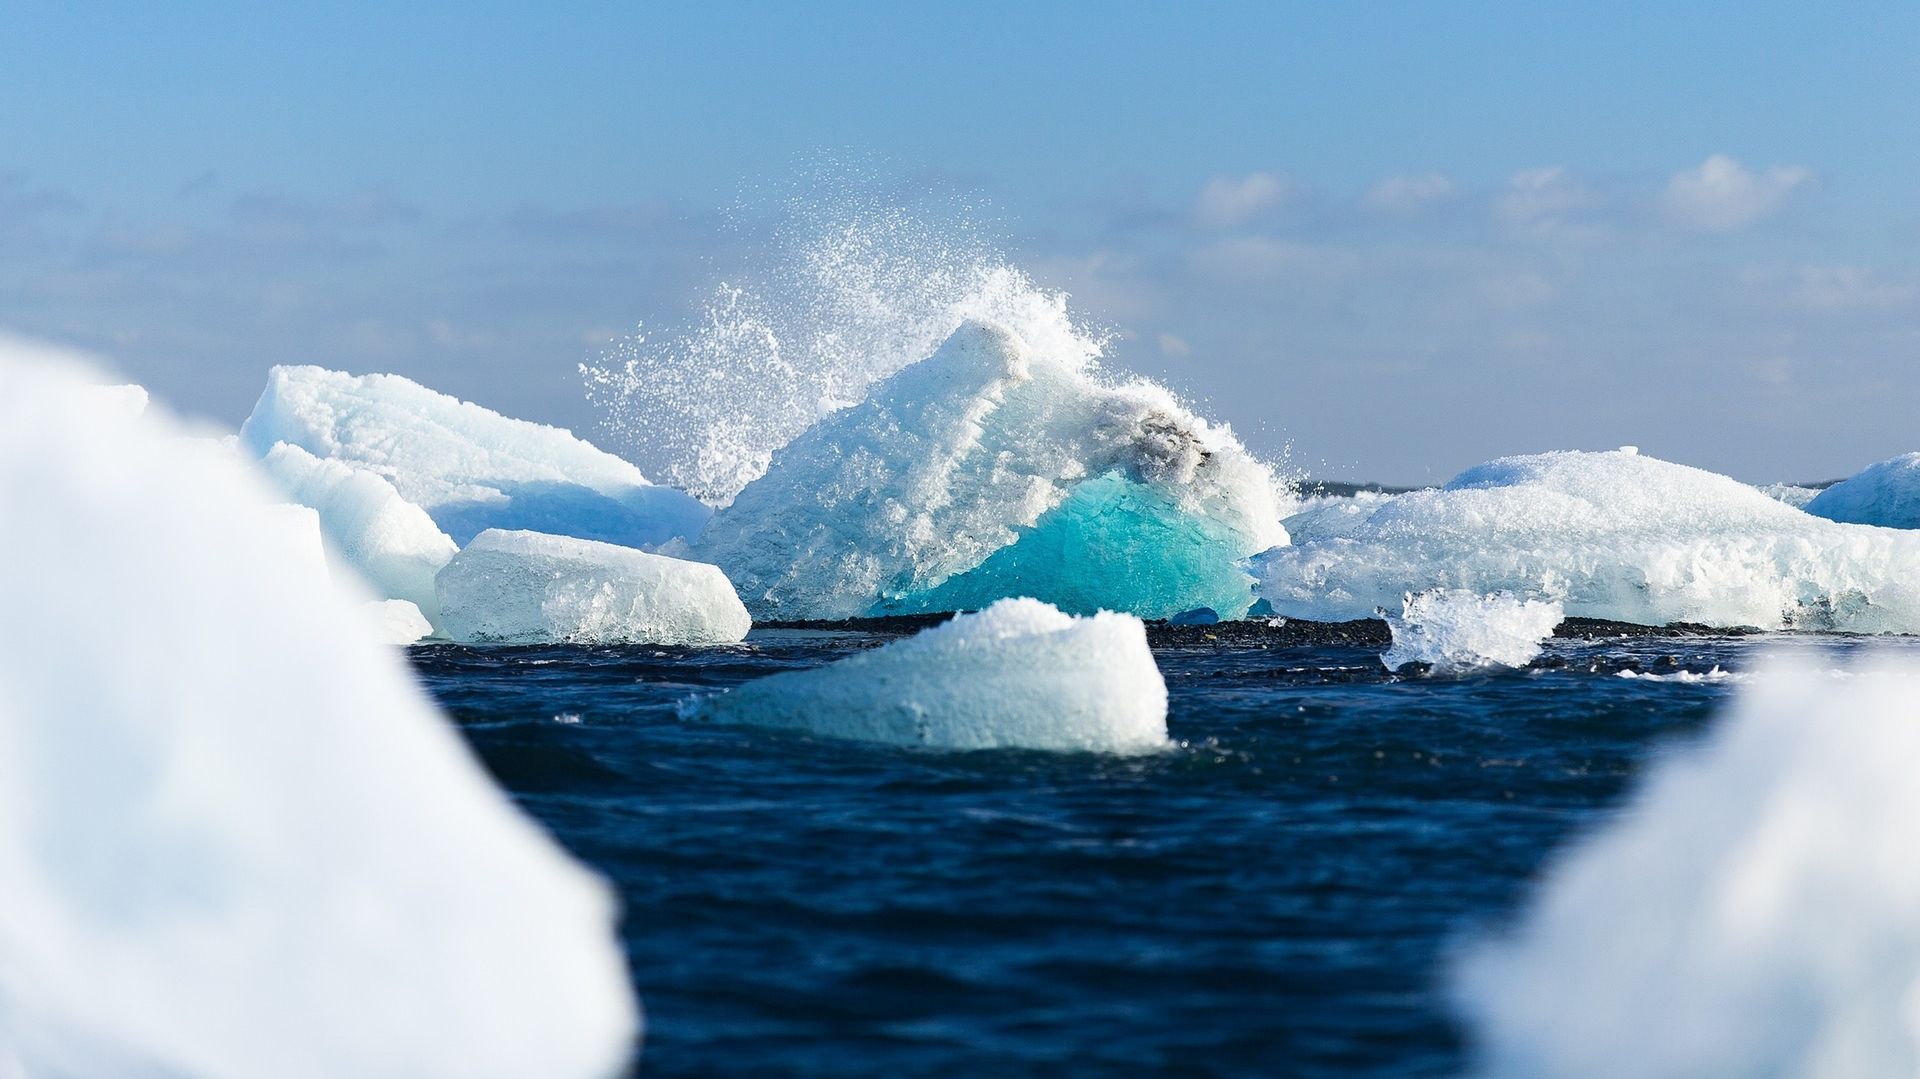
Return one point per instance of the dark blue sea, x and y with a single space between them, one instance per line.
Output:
1278 896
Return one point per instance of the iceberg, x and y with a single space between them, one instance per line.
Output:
397 621
1886 494
1458 632
1019 674
1750 913
992 469
529 588
468 467
392 543
236 838
1608 535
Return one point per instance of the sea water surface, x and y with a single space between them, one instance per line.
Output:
1278 895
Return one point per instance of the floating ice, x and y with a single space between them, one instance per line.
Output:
1751 913
1330 516
1455 632
236 839
992 469
471 469
1887 494
1608 535
397 621
1019 674
526 588
393 544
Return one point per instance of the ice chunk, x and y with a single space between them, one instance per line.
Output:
1791 493
992 469
126 401
1019 674
398 622
525 588
1455 632
1329 516
299 532
236 839
393 544
1608 535
470 468
1751 913
1887 494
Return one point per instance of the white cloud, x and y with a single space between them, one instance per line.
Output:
1227 201
1409 194
1170 345
1851 288
1549 201
1721 194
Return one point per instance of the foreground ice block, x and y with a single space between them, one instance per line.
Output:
1019 674
1886 493
1457 632
1752 912
236 838
1608 535
393 544
992 469
529 588
470 468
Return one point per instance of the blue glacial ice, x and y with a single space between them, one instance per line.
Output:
469 468
994 469
238 839
529 588
1886 493
1607 535
1750 913
1019 674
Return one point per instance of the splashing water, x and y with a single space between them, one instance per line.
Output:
855 290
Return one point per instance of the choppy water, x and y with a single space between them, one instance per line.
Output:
1276 897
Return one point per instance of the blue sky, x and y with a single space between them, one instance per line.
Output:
1402 237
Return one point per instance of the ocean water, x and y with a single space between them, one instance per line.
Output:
1277 896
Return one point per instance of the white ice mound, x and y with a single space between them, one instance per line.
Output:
1755 911
393 544
1608 535
1019 674
529 588
1457 632
990 470
470 468
236 839
396 621
1886 494
126 400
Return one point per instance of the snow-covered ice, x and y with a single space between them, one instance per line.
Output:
995 469
526 587
468 467
1019 674
1455 632
237 839
1752 912
1608 535
1886 493
391 542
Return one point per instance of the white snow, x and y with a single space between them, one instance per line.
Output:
392 543
1456 632
397 621
1886 493
526 588
1608 535
1754 911
236 839
468 467
994 469
1019 674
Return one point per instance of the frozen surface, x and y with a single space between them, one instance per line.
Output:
994 469
391 542
1455 632
398 622
1019 674
1329 516
470 468
1751 913
1608 535
1887 493
235 838
525 587
1791 493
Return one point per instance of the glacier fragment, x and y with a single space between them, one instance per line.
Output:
528 588
1019 674
1458 632
1886 494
